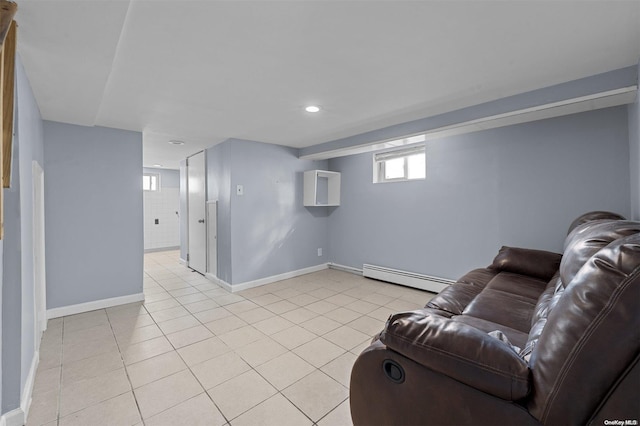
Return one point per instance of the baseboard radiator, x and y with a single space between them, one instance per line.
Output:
409 279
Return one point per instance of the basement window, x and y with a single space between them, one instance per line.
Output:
150 181
407 163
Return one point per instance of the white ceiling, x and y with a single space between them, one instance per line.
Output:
205 71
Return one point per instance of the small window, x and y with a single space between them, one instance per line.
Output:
150 182
399 165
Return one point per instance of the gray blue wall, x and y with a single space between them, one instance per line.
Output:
1 323
1 311
272 232
16 267
634 151
266 231
519 185
93 197
12 290
29 134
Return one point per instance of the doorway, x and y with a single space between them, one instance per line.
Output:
196 216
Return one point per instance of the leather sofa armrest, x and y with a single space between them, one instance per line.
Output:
534 263
459 351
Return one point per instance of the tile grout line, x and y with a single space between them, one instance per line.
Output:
252 368
61 373
185 363
206 391
177 277
124 366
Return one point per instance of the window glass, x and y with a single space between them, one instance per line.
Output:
406 163
394 169
150 181
416 166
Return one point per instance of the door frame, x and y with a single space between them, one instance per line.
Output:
39 263
212 238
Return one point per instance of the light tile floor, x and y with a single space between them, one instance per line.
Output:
195 354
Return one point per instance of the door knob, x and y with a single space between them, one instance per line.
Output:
201 221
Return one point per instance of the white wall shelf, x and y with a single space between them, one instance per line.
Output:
321 188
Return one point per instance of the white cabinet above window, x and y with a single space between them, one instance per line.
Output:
321 188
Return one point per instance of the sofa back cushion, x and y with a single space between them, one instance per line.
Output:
547 301
587 239
597 215
590 337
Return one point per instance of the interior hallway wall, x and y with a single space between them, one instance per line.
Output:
16 266
12 290
1 289
94 221
266 231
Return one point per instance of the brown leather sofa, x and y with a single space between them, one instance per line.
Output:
535 338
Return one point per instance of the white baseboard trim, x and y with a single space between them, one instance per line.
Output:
267 280
13 418
218 281
272 279
157 249
25 401
182 261
18 417
345 268
92 306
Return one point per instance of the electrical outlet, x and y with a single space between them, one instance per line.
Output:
239 190
319 251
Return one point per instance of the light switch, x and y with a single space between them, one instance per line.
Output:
239 190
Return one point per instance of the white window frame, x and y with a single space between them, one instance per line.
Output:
151 176
380 159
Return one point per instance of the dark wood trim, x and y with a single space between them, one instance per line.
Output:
8 10
8 78
1 148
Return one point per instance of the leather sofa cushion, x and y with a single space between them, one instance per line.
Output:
455 298
545 305
431 311
503 308
542 306
517 338
534 263
519 285
587 239
591 336
459 351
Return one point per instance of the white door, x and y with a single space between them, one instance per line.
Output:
197 243
40 292
212 238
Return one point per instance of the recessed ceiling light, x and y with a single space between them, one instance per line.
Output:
312 108
176 142
157 165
